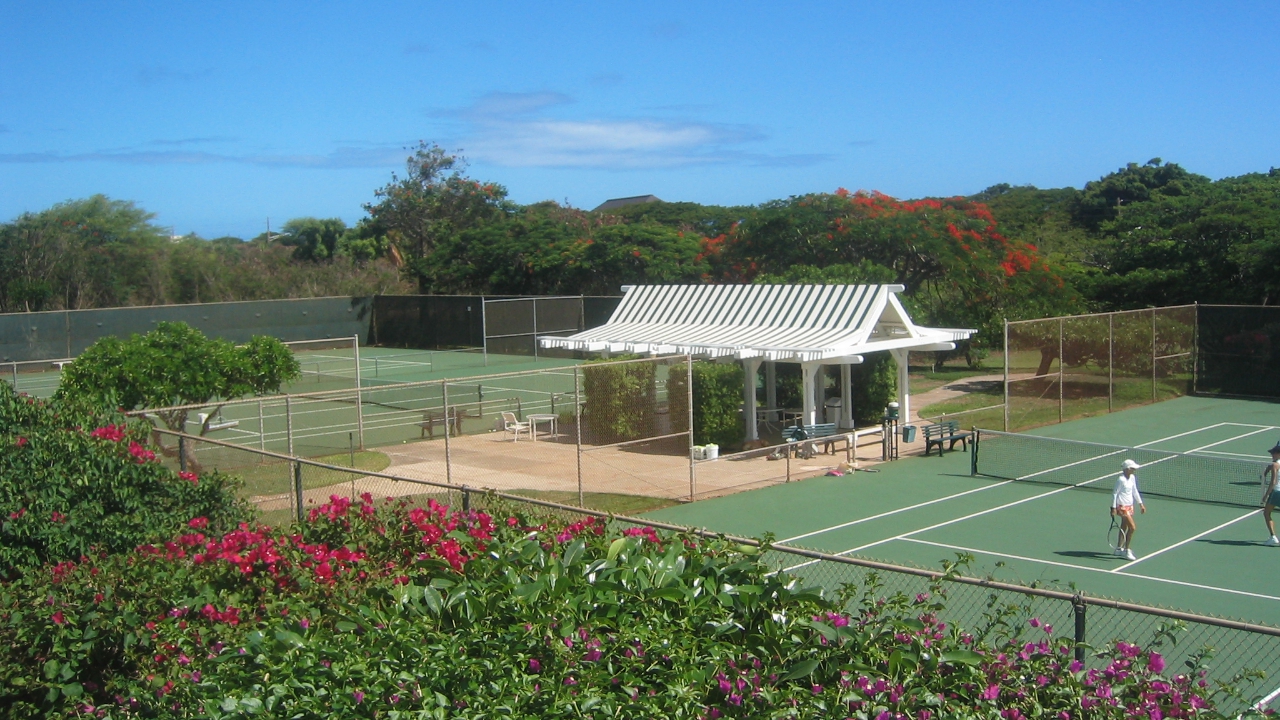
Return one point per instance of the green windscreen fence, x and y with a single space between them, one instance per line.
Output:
1239 351
66 333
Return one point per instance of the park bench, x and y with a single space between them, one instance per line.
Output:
824 433
946 432
431 418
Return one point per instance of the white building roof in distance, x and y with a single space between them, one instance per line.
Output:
796 323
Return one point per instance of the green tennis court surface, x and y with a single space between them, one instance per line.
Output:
1202 557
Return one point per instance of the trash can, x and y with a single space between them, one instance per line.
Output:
891 412
908 433
712 452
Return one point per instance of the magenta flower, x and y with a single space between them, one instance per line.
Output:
359 696
1155 662
991 693
534 665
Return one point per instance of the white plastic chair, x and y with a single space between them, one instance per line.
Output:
514 426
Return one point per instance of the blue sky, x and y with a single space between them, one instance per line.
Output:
218 115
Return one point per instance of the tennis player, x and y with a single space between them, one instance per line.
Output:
1271 493
1123 498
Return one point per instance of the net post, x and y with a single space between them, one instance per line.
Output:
466 499
1078 610
288 422
15 377
182 453
355 346
535 330
577 427
297 490
444 406
1006 374
973 453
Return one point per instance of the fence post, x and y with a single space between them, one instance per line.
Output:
577 426
262 430
1061 369
1078 608
297 491
1111 361
466 499
15 377
288 423
444 403
1006 374
182 453
1153 355
355 344
693 479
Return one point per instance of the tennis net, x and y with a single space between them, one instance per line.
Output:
1054 461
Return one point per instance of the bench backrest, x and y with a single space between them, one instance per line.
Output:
810 431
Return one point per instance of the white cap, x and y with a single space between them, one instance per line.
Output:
1130 465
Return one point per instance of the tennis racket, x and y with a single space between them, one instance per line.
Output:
1113 534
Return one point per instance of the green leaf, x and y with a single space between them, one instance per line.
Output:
801 669
670 593
345 626
288 637
72 690
616 547
574 551
432 597
964 657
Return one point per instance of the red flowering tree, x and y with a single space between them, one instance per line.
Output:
957 267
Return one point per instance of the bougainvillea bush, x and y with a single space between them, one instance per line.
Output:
395 611
76 481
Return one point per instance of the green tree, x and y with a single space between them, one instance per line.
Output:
312 238
175 366
432 203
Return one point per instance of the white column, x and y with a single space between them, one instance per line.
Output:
820 393
750 367
846 396
904 391
808 373
771 388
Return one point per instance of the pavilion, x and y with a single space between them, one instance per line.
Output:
812 325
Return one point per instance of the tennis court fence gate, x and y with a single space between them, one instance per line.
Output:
990 610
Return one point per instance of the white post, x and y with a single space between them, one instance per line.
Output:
771 388
355 344
448 459
820 393
288 423
846 396
904 390
750 367
808 371
688 380
262 431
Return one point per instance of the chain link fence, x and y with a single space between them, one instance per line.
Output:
1239 351
1247 656
1060 369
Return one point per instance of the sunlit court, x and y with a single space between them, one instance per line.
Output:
1039 514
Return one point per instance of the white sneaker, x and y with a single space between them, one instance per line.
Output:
1128 555
1272 542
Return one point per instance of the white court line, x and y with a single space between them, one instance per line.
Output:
893 512
1246 456
961 548
1006 505
1251 513
988 487
1264 702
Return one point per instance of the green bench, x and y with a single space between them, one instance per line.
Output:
947 433
798 433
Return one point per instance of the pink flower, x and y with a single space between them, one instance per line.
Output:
59 618
199 523
359 696
21 441
534 665
1155 663
189 477
991 693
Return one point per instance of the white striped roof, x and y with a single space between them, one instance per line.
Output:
775 322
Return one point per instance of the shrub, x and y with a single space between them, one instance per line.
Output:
717 402
401 611
75 481
620 402
875 385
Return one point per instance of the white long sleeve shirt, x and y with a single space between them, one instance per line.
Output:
1126 492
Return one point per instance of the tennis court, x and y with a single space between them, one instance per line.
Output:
1204 556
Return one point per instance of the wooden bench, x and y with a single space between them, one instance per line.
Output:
431 418
948 432
799 433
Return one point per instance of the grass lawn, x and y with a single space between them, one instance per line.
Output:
273 478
